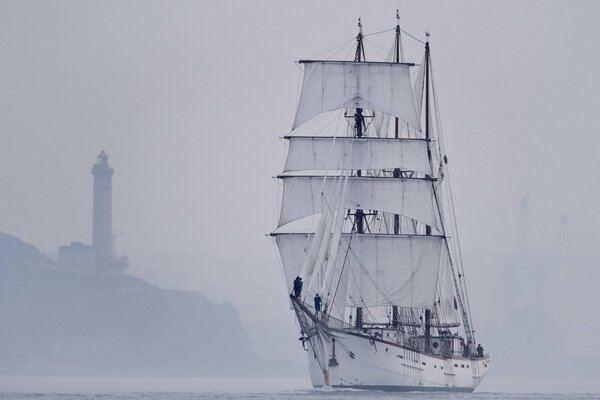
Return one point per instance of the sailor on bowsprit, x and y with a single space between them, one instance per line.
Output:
317 303
297 287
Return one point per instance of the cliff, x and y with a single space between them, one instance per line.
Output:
62 323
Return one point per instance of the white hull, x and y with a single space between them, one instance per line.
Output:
384 366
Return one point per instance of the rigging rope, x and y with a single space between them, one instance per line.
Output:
377 33
339 47
411 36
454 227
380 50
362 266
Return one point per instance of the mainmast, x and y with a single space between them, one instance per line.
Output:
427 117
428 139
359 121
397 173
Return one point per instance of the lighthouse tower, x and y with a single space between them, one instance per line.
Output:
102 238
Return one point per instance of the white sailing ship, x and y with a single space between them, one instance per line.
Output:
367 223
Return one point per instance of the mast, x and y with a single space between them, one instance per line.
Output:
397 172
427 127
428 139
359 215
359 121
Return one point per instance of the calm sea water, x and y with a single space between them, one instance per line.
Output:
45 388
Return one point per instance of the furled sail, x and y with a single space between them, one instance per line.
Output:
380 86
320 153
413 198
382 269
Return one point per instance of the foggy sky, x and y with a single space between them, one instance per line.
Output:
189 98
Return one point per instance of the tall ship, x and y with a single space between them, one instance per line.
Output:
367 232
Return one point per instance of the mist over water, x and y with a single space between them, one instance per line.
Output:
240 388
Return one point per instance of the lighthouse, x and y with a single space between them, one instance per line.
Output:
100 257
102 236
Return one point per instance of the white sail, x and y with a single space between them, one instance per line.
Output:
382 269
320 153
413 198
332 85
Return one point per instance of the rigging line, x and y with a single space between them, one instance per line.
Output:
341 175
343 346
315 120
360 297
441 312
411 36
342 180
370 278
377 33
298 86
338 121
455 225
460 265
321 347
349 53
333 119
329 159
335 216
339 47
467 323
340 227
279 262
380 50
341 271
